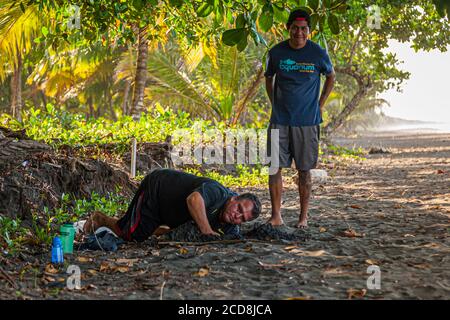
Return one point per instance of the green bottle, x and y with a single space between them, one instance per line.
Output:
67 232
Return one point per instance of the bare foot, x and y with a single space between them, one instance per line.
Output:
303 224
276 221
93 222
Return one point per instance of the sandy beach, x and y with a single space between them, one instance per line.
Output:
391 210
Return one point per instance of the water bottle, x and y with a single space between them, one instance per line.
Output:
57 251
67 233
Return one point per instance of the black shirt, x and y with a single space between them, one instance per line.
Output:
170 189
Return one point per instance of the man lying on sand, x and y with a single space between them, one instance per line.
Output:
171 198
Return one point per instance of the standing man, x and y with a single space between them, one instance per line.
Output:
293 74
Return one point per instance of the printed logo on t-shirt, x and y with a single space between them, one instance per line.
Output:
290 65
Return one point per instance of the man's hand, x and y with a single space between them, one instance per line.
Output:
327 88
212 233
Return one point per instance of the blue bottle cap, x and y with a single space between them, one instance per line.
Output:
56 241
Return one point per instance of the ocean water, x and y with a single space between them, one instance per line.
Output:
419 127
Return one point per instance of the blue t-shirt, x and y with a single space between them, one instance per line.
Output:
297 83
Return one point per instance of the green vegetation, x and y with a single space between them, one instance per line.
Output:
244 177
12 234
45 225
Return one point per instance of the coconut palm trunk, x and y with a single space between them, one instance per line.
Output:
16 89
141 74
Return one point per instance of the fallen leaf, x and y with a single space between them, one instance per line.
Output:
183 250
203 272
350 233
121 269
317 253
369 261
49 268
355 206
355 293
104 266
92 272
322 229
83 259
248 249
128 262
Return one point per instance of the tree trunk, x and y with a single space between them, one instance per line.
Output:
248 95
126 95
141 74
16 90
91 107
111 107
364 85
43 97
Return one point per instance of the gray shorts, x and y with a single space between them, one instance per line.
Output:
298 143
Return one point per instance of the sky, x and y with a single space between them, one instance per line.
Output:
426 95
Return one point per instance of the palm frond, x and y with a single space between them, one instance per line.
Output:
169 83
17 31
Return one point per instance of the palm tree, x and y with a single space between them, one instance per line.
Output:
218 87
18 28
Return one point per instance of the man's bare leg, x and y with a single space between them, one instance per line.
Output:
304 190
97 220
276 190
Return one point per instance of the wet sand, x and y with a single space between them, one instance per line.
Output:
391 210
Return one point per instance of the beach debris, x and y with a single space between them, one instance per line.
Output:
318 176
375 150
356 293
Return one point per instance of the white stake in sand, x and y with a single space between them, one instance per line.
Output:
133 158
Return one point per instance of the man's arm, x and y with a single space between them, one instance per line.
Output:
269 88
196 206
327 88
